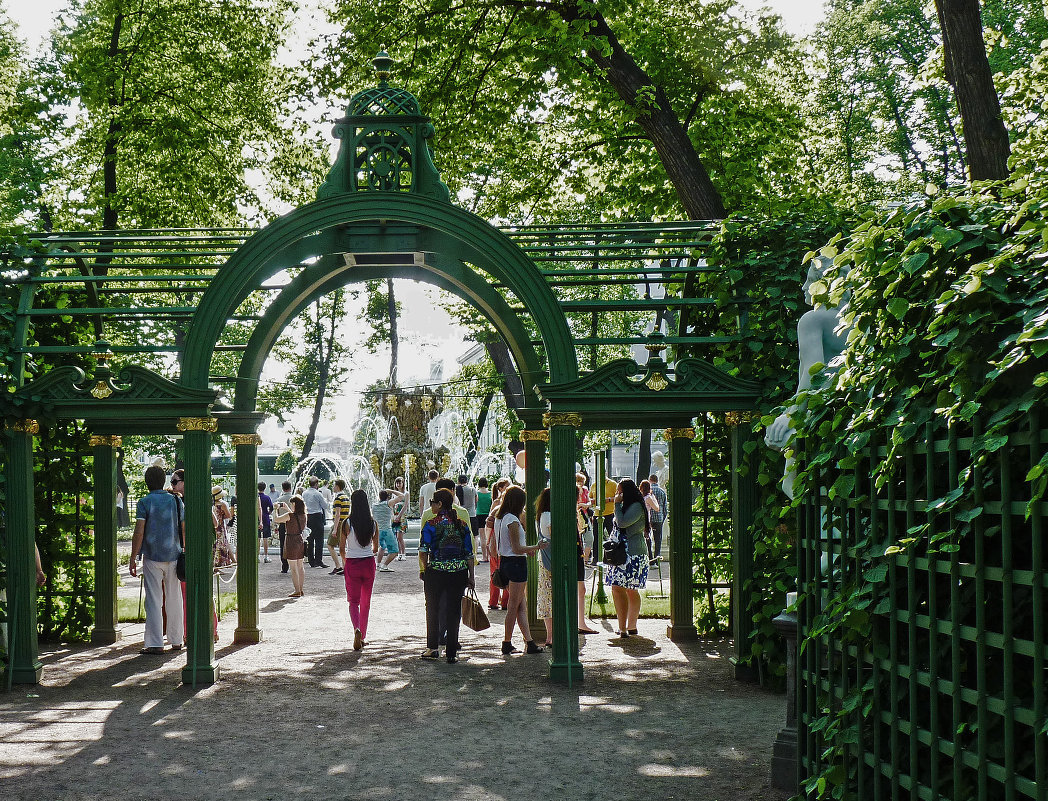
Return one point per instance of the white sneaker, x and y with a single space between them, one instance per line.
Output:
266 560
400 557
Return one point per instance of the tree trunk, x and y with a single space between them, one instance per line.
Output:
109 151
656 117
394 342
644 456
478 429
968 71
324 372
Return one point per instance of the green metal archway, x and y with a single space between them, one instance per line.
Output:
382 213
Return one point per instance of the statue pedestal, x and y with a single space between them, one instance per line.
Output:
784 751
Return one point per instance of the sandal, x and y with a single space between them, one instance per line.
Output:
588 631
151 651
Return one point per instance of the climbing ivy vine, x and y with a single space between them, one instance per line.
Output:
948 296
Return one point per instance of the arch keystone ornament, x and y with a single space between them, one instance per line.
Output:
197 424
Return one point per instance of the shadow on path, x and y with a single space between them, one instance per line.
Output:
302 715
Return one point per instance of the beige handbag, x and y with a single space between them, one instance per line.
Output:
472 612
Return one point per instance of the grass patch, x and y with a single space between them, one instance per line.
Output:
127 608
650 608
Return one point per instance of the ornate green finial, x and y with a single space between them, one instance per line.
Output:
385 143
656 344
382 63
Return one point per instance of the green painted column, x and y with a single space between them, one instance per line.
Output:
744 501
565 665
23 651
247 538
104 477
682 600
534 483
201 667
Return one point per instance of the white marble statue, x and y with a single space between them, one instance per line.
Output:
660 468
819 340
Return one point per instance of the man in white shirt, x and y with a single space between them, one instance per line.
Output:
425 492
316 513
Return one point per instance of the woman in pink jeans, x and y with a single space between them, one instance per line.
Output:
358 544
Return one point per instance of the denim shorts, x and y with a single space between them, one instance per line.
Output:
387 541
515 568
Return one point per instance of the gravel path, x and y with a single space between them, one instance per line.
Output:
301 715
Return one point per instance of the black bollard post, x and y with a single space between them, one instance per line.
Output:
784 752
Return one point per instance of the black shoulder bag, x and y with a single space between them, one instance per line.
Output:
615 549
498 578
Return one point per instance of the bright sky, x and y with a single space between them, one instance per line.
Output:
35 17
427 332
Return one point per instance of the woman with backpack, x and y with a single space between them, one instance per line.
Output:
357 545
446 552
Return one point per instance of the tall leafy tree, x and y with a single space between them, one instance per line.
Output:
171 104
22 163
381 313
548 108
316 361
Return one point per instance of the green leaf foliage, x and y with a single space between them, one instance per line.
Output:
948 297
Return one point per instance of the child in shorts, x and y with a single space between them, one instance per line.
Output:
388 547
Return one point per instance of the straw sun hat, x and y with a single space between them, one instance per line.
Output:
217 493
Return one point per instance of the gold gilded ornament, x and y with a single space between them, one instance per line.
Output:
678 433
101 390
105 439
550 419
246 439
656 382
197 424
540 435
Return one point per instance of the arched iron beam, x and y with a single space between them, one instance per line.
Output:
321 278
438 227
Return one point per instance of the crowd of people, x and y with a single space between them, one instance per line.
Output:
461 525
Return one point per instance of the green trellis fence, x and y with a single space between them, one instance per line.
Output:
939 688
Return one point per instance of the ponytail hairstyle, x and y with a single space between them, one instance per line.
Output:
360 519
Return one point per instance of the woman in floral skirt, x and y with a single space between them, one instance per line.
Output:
626 581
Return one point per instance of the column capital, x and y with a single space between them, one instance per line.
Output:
106 439
246 439
539 435
678 433
734 419
197 424
24 426
550 419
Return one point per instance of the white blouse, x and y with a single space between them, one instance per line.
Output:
354 550
505 538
